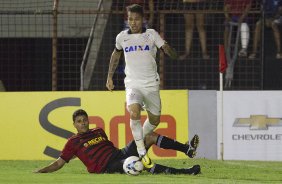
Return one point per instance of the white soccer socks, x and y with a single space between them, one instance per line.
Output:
148 127
137 132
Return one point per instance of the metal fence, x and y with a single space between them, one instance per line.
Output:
43 42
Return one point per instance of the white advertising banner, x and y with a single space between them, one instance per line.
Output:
252 125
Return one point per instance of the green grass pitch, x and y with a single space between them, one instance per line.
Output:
213 171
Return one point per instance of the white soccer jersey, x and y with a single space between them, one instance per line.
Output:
140 57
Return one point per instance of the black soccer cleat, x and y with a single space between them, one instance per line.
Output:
193 145
196 169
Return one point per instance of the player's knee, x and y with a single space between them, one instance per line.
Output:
134 115
150 139
154 120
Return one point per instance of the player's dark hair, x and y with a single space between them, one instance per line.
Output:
79 112
135 8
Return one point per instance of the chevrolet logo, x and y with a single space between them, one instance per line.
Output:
257 122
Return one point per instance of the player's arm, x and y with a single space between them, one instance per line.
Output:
54 166
169 51
112 68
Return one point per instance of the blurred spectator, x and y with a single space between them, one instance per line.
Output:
237 11
147 5
272 14
190 19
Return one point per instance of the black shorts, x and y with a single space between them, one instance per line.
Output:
116 161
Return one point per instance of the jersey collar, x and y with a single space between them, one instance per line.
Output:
143 30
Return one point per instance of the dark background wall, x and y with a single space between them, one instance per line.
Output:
25 63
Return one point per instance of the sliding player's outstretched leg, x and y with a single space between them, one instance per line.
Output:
157 168
164 142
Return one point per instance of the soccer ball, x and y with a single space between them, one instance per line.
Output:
132 166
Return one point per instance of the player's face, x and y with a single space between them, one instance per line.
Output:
81 123
135 21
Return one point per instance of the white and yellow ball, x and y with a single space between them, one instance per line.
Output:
133 166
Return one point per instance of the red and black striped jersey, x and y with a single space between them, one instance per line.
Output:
93 148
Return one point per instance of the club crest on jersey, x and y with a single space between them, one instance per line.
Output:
136 48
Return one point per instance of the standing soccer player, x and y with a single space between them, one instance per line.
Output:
139 46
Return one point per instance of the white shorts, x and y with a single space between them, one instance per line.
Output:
148 98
